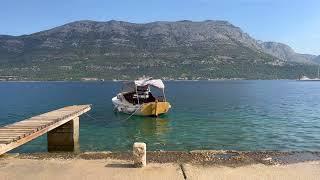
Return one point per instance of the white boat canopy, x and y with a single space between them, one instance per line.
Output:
150 82
131 86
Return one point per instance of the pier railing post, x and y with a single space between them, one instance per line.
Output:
64 137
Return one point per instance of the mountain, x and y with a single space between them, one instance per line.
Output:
285 52
172 50
317 59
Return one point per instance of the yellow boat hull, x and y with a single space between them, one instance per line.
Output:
154 108
146 109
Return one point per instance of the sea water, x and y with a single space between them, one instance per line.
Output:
231 115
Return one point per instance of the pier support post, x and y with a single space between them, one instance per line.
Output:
139 154
64 137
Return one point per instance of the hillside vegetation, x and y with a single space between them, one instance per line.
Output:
170 50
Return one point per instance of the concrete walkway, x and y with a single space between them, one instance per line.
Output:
27 169
15 168
309 170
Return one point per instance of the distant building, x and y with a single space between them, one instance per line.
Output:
89 79
8 78
66 68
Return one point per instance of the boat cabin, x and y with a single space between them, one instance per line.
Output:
139 93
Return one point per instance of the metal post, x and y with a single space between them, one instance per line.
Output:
164 96
137 93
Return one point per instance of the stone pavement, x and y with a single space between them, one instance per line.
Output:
54 168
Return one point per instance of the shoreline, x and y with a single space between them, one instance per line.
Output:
197 157
205 80
162 165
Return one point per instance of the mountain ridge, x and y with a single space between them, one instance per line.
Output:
119 49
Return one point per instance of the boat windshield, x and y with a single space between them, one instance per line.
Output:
133 98
142 95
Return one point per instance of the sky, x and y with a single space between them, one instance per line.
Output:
293 22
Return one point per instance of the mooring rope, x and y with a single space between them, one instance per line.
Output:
90 116
114 109
132 114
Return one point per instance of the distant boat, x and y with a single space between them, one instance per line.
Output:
305 78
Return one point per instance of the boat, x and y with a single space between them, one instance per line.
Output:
305 78
136 98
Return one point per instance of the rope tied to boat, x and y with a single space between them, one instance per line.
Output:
132 113
90 116
114 109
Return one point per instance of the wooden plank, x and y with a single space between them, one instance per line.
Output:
72 108
53 115
6 139
34 126
12 133
8 136
24 131
28 124
15 136
26 127
11 126
21 123
13 144
21 128
67 110
2 143
24 134
33 121
45 115
15 131
39 118
12 138
44 118
8 129
31 124
57 113
38 121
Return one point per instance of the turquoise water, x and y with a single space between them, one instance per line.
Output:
233 115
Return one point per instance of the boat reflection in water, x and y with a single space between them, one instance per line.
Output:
151 130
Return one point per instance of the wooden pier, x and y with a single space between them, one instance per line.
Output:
61 126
